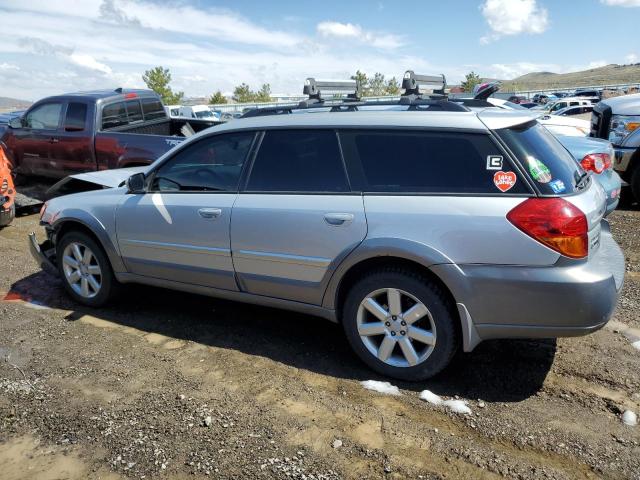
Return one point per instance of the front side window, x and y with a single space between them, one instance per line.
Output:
430 162
114 115
298 161
44 117
76 117
211 164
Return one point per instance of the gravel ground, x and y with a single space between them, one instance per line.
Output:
165 384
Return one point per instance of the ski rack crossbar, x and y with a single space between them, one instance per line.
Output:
411 97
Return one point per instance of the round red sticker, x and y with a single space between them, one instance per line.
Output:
504 180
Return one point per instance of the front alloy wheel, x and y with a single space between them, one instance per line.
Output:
396 327
81 270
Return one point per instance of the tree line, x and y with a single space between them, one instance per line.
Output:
159 78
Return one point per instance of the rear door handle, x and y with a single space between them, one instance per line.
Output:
211 213
53 140
338 219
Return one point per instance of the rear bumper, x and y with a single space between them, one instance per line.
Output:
37 252
567 299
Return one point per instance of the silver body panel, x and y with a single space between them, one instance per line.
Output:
293 250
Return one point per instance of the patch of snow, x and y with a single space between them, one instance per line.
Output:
630 418
636 345
381 387
429 396
457 406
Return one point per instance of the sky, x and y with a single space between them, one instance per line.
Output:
55 46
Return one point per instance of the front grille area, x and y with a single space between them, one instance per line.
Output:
600 121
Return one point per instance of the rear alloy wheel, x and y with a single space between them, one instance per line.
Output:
400 324
85 269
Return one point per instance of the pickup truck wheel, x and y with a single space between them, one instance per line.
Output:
85 270
400 324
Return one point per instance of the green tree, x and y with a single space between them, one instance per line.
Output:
470 81
362 80
217 98
243 94
158 79
377 85
392 87
264 94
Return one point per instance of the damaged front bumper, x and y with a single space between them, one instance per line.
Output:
42 253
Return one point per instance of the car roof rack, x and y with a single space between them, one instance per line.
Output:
412 97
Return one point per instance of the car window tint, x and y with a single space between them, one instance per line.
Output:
152 108
211 164
298 161
134 111
44 117
76 117
114 115
427 162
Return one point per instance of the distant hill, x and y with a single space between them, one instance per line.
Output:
7 103
609 74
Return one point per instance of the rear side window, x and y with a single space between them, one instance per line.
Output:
152 108
430 162
114 115
548 163
76 117
134 111
298 161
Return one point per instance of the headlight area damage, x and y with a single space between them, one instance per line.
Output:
45 253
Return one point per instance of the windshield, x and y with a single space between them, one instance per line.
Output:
550 166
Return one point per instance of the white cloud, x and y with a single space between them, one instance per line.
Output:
631 58
8 66
87 61
340 30
513 17
621 3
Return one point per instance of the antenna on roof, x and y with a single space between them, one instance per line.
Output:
118 90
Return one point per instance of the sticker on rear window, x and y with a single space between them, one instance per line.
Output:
494 162
538 170
557 186
504 181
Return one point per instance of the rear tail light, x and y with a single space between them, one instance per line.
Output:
554 222
596 162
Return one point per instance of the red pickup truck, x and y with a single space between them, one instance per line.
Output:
88 131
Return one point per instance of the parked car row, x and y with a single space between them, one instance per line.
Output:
420 225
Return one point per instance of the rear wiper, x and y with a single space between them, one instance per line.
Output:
581 178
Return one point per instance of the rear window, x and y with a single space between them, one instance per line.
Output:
114 115
152 108
434 162
134 111
552 168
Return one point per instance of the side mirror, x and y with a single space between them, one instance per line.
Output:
135 183
15 122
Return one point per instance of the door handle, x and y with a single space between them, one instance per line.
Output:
53 140
211 213
338 219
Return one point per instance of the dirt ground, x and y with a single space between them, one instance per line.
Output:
170 385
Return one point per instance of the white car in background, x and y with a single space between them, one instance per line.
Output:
557 124
567 102
198 111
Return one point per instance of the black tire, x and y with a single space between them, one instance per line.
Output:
6 217
109 285
635 183
427 292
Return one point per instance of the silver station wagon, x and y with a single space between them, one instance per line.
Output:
420 226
